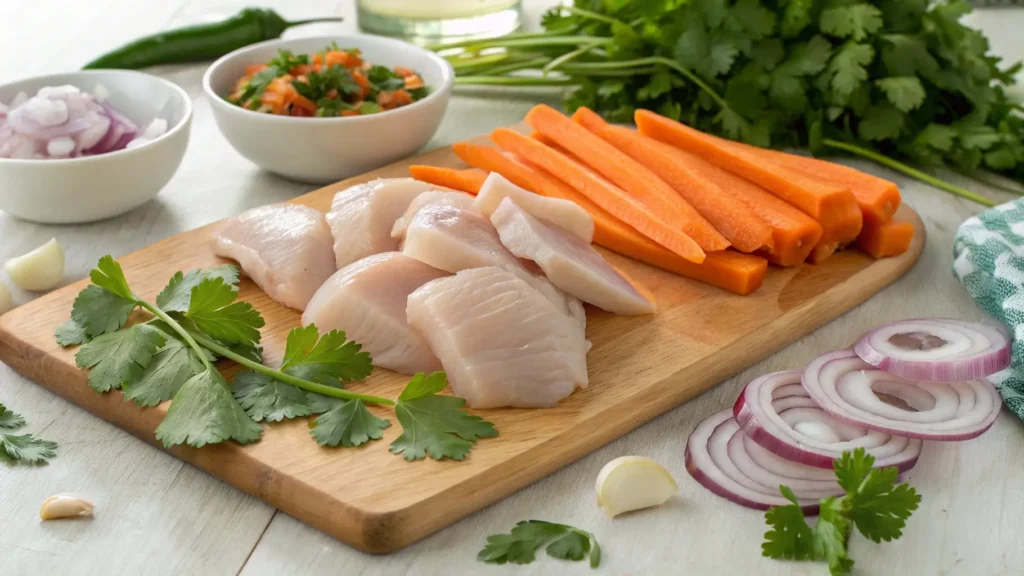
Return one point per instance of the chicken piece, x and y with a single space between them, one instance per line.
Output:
284 248
569 263
563 213
501 342
362 216
367 300
456 199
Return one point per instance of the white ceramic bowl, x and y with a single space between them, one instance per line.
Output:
323 150
92 188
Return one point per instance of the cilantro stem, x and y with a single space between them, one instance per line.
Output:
515 66
514 81
652 60
289 379
912 172
520 42
593 16
568 56
476 41
156 311
463 62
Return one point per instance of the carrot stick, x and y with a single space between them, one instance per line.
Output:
878 198
628 174
890 239
738 223
600 191
820 199
465 180
737 273
838 236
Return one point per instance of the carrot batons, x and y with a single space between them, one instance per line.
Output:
738 223
841 233
469 180
824 201
883 240
626 173
602 192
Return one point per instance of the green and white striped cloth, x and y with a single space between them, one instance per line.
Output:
988 258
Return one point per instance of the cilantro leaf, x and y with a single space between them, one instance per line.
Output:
881 123
857 21
807 58
203 411
96 311
754 18
9 420
212 308
267 400
177 295
108 275
905 55
349 424
790 537
26 449
256 86
846 71
831 533
70 333
521 544
879 507
435 425
171 366
936 136
795 17
384 79
660 83
324 359
120 356
904 92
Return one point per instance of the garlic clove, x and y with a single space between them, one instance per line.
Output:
631 483
65 506
40 269
6 302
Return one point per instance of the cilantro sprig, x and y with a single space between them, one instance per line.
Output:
21 448
874 503
893 81
197 319
521 544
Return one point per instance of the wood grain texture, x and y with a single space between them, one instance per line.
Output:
639 368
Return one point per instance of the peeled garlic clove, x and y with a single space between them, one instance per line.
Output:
6 302
40 269
632 483
65 506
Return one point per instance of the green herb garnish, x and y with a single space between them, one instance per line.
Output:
21 448
520 546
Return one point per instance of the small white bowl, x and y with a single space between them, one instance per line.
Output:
91 188
324 150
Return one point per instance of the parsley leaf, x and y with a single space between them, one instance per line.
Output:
256 86
108 275
904 92
795 17
348 424
70 333
435 425
96 311
790 537
171 366
846 71
120 356
881 122
213 310
203 412
177 295
384 79
26 449
857 21
879 506
267 400
521 544
324 359
9 420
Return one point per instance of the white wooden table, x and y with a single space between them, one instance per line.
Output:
156 515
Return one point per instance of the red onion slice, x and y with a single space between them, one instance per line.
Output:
777 414
848 388
718 457
936 350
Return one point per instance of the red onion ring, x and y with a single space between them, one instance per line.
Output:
776 413
719 457
847 387
936 350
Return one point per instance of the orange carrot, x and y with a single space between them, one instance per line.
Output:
883 240
838 236
469 180
626 173
739 224
600 191
737 273
822 200
878 198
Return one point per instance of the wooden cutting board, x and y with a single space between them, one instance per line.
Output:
640 367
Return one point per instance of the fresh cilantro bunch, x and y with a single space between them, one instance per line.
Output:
21 448
874 503
889 80
197 320
520 546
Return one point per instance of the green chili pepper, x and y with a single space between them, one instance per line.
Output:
201 42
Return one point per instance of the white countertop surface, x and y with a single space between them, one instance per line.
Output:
156 515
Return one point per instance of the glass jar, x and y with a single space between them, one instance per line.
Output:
432 21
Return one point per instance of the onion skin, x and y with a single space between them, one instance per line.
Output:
718 490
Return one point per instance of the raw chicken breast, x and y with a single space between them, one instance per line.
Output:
367 300
568 215
501 342
362 216
284 248
568 262
456 199
454 239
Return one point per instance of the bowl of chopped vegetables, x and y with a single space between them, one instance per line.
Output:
325 108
